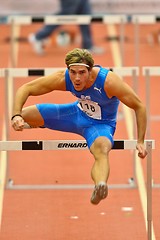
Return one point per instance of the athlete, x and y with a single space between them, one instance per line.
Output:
93 115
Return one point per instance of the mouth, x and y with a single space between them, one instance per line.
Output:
77 85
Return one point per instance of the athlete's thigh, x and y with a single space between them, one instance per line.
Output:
32 116
63 117
99 130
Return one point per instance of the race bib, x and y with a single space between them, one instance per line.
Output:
92 109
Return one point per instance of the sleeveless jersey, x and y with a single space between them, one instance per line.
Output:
93 101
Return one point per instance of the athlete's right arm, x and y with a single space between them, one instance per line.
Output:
37 87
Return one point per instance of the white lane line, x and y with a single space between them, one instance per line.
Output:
130 129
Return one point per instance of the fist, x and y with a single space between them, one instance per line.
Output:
142 153
18 123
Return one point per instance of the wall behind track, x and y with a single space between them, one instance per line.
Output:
101 6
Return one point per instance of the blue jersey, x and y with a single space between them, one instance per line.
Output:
93 101
93 115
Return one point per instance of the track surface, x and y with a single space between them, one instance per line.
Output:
68 214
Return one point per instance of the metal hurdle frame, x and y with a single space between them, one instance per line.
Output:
66 20
82 145
10 73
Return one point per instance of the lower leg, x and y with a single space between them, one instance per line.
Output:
100 150
100 174
86 36
45 31
100 170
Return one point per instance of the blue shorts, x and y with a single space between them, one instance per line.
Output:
69 118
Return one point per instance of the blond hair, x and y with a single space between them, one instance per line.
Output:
78 55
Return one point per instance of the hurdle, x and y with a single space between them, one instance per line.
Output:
43 145
122 19
10 73
138 19
149 72
66 20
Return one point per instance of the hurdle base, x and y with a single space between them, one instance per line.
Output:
10 185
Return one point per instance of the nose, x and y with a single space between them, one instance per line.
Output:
77 76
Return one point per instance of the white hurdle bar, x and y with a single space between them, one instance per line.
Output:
68 19
30 72
62 145
82 145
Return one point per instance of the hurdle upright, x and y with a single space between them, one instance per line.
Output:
82 145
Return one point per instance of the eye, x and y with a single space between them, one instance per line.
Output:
82 72
72 71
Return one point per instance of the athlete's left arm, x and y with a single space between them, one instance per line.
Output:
115 86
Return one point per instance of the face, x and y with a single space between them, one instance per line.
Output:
79 76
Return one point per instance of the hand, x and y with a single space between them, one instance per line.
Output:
18 123
141 150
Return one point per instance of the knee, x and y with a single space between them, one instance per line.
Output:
101 146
